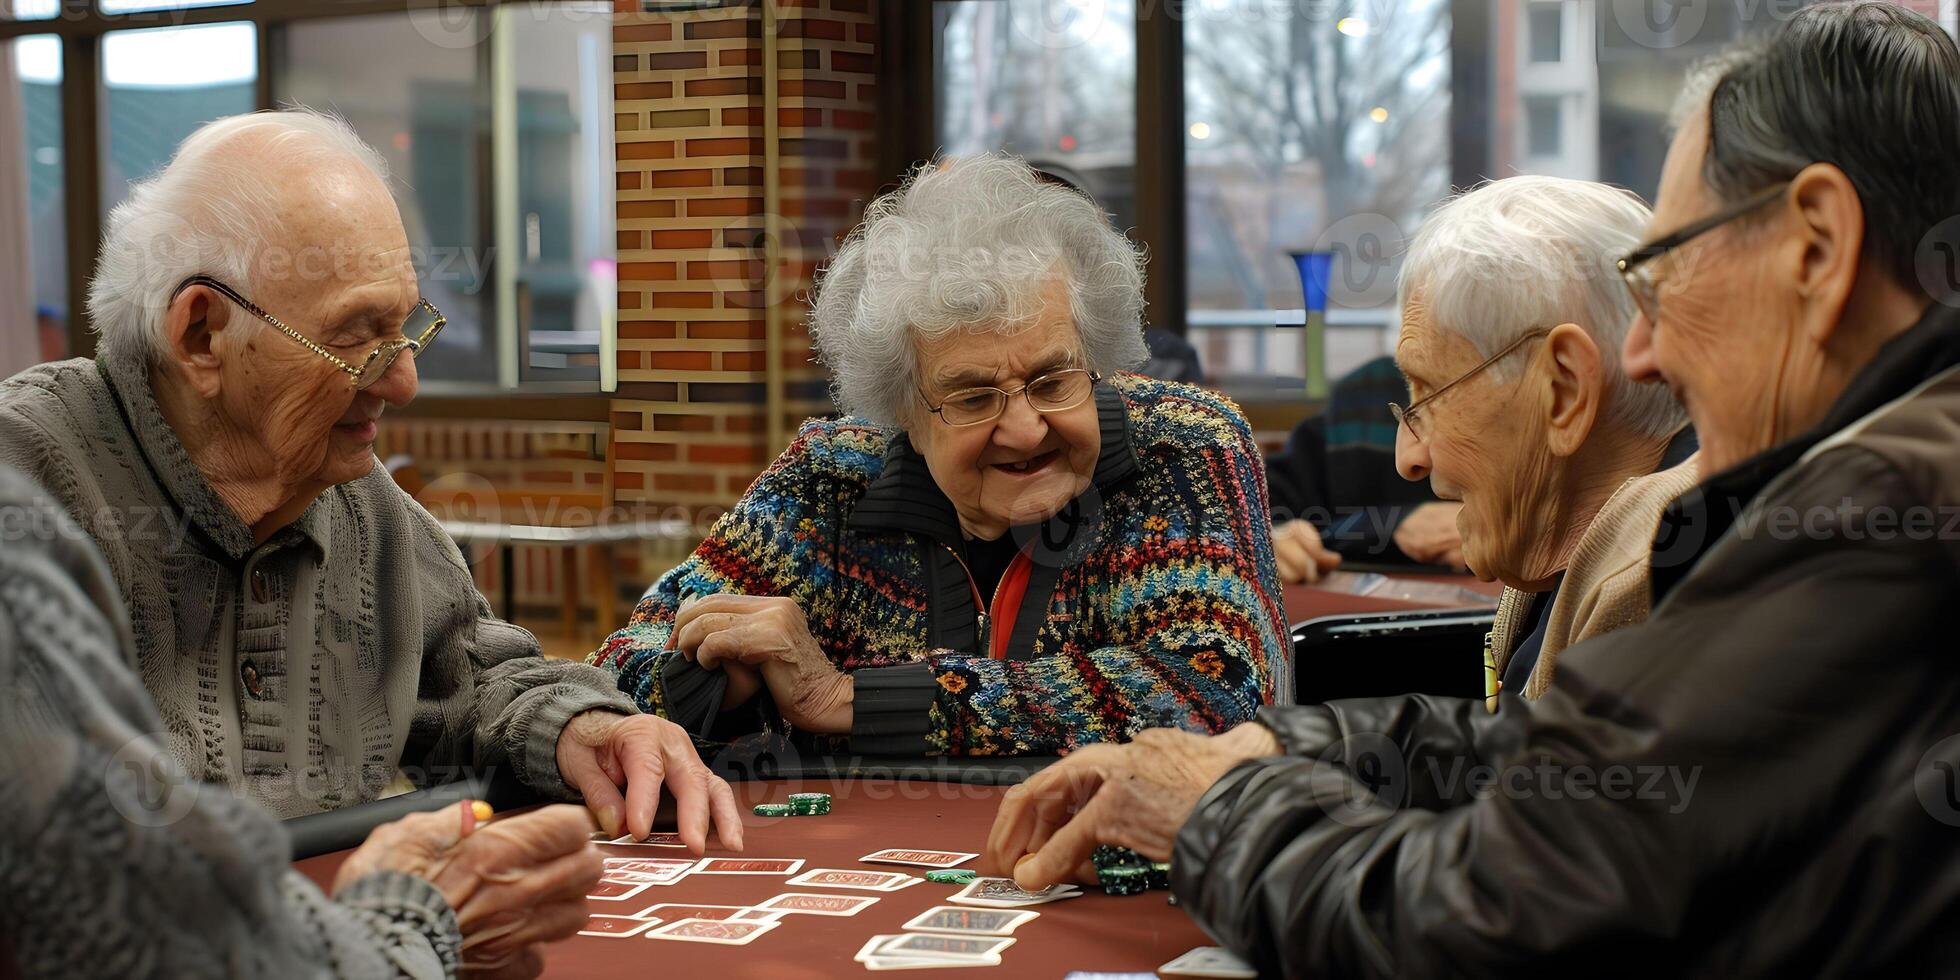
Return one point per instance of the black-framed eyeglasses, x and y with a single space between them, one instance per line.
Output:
1410 416
418 332
1641 273
1056 391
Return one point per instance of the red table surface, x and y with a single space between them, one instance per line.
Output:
1095 932
1304 602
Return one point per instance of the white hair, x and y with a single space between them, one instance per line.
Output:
965 245
1527 252
211 210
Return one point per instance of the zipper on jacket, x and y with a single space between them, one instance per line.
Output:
979 608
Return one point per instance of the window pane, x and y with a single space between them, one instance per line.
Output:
1052 80
159 85
411 86
36 191
1542 125
1547 21
34 9
567 287
137 6
1306 132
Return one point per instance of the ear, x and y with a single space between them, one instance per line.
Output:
1829 222
191 330
1575 383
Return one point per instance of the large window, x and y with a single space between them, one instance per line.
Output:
495 118
1051 80
1308 129
426 107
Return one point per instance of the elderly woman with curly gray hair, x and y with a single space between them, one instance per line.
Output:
1008 544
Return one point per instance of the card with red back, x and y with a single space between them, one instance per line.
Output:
727 932
877 881
748 866
674 912
616 926
811 904
921 858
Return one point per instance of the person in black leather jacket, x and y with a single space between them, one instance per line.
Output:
1763 778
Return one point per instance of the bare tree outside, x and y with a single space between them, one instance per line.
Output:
1303 117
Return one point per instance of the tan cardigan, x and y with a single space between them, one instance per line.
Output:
1606 585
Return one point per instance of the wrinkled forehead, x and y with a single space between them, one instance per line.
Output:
338 238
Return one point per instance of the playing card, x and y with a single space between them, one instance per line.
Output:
928 859
1005 894
748 866
927 945
1208 961
672 912
872 961
616 926
808 904
877 881
974 921
727 932
663 839
647 865
616 891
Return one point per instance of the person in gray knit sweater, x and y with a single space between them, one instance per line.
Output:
115 864
308 632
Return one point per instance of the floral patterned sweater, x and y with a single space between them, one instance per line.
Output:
1150 600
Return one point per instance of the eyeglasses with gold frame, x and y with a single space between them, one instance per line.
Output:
1056 391
424 323
1410 416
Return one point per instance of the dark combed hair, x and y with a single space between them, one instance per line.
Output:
1868 86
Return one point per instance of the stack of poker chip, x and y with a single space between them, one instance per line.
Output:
809 804
799 805
952 876
1122 871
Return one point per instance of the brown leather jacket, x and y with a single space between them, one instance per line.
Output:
1761 779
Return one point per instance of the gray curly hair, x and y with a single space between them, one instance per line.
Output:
965 245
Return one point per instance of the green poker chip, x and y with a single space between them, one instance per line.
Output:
773 810
951 876
1123 881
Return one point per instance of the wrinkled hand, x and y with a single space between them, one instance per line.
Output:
770 635
1301 555
1429 534
514 884
1135 796
601 751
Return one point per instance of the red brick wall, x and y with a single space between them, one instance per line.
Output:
690 424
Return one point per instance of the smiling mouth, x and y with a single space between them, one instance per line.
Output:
1032 465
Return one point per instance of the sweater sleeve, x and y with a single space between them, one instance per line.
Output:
1191 633
114 861
763 546
488 698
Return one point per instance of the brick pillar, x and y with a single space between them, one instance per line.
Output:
689 419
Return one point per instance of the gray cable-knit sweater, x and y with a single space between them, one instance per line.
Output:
303 672
112 863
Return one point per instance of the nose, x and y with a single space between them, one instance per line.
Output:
1637 353
398 385
1411 455
1020 428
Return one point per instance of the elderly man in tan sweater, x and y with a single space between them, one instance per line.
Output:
1510 341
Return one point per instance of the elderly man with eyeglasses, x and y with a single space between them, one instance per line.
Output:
1762 779
1010 545
308 632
